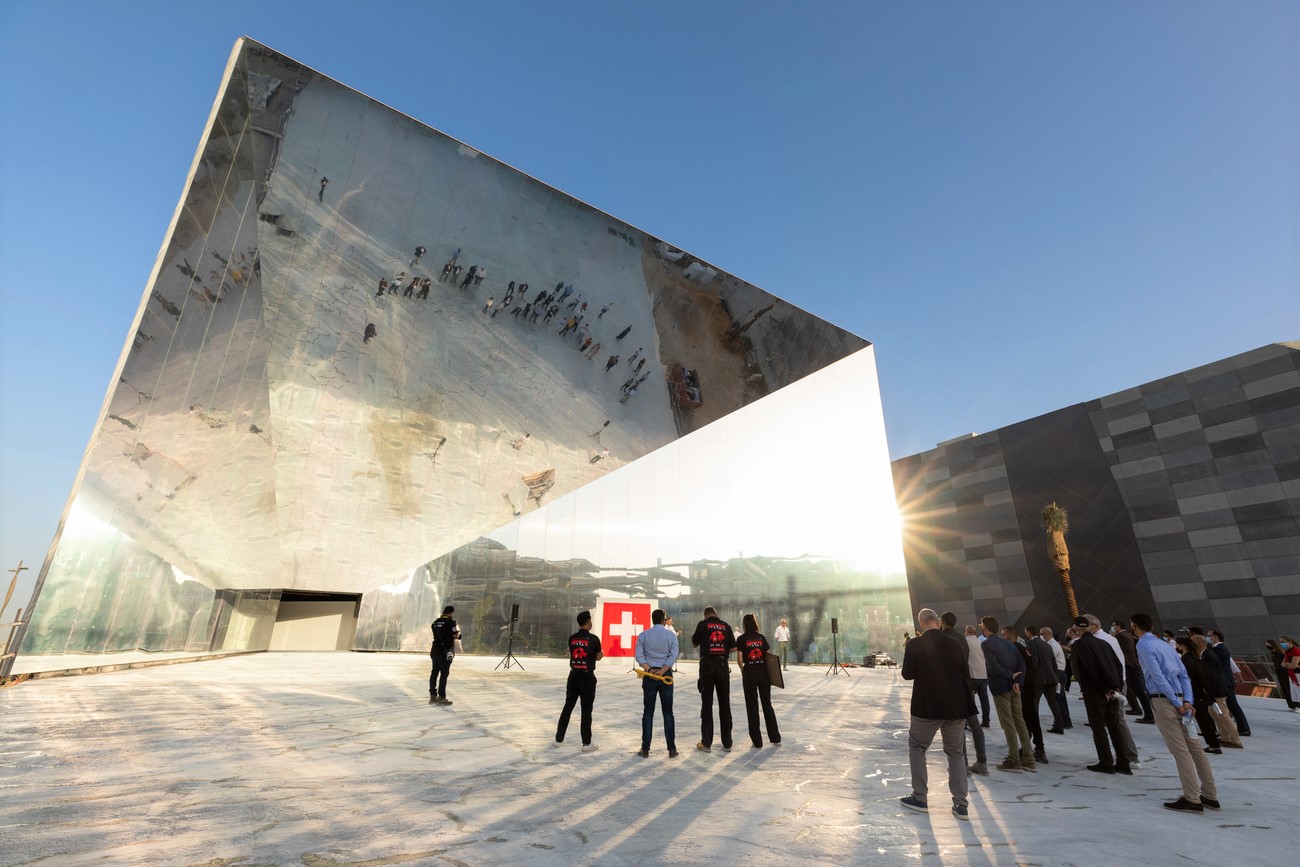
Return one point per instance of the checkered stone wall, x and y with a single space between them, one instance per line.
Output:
1209 464
1183 493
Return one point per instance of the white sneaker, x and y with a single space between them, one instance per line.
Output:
557 744
589 748
1137 766
1296 709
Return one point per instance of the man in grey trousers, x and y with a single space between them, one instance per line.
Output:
940 703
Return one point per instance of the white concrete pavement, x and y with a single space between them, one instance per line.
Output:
336 759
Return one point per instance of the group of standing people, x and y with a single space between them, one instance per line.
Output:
1183 696
657 650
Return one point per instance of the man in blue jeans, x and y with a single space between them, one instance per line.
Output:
656 651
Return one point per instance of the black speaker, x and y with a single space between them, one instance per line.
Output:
514 612
835 625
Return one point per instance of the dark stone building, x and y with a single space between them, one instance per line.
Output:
1183 495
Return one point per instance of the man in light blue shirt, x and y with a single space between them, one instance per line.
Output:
656 651
1171 699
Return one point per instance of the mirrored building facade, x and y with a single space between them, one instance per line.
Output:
372 361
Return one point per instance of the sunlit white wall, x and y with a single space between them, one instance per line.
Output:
802 471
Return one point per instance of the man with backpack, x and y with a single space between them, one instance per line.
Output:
445 633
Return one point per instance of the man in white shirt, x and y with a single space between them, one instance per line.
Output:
979 674
1094 626
782 636
1062 675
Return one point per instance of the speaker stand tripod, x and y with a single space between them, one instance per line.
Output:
510 652
837 667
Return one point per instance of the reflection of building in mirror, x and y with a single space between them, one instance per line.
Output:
320 394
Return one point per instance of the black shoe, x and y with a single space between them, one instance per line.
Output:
1056 731
1040 756
1182 805
1132 713
1214 751
1210 802
1124 769
1069 725
984 724
672 754
645 754
1243 734
1148 721
1102 769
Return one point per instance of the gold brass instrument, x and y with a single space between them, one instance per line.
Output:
666 678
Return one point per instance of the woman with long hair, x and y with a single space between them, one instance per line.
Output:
751 653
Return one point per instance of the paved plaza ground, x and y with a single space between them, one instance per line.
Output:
325 759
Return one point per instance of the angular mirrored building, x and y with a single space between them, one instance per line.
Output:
376 371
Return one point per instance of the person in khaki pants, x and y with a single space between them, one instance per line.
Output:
1170 689
1223 720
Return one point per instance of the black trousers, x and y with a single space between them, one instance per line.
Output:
441 670
1103 716
1055 701
1205 720
758 691
1029 694
581 687
715 679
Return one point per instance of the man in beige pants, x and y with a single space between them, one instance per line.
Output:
1223 721
1171 693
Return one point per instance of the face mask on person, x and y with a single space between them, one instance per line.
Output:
1285 645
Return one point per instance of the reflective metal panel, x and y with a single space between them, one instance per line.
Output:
367 345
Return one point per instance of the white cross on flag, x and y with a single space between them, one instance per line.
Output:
619 622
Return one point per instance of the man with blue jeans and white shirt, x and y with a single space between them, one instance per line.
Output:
656 651
1170 689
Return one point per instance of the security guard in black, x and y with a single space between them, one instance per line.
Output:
584 651
715 639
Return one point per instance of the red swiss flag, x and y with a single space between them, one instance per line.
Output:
621 623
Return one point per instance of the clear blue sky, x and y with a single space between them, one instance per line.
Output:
1024 205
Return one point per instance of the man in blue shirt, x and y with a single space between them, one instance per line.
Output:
1170 689
656 651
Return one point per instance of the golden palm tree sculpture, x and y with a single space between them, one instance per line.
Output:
1056 523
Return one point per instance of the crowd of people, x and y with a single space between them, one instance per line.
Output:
1181 684
571 308
1184 685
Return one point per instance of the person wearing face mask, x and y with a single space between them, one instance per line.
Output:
1291 668
1276 654
1218 693
1130 748
1139 703
1224 655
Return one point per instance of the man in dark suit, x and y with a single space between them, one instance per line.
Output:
1101 680
1048 679
940 703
